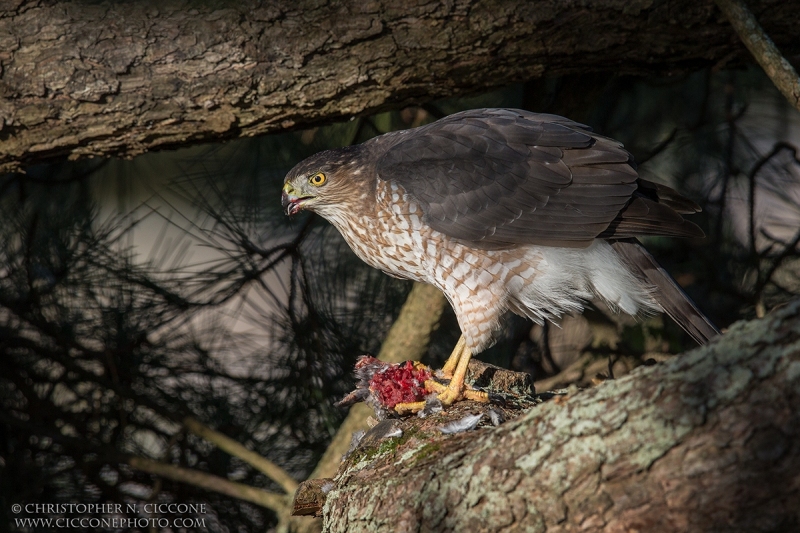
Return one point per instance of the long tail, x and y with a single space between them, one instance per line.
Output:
669 294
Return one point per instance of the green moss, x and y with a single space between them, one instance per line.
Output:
368 454
386 447
426 451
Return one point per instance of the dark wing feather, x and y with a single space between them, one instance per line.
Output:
497 177
668 293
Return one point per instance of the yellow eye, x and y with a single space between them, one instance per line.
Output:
318 179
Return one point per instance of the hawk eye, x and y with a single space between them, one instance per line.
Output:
318 179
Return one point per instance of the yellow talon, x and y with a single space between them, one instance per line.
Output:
456 369
444 396
408 408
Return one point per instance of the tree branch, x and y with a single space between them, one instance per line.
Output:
79 446
410 335
702 441
779 70
270 500
83 79
230 446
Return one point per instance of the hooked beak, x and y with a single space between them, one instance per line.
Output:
291 202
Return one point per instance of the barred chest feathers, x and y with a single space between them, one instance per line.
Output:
534 281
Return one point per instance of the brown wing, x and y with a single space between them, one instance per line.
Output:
497 177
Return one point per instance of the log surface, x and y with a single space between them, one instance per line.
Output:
708 441
81 78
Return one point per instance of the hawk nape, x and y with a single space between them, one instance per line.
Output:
503 210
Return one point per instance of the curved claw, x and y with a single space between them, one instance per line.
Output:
449 395
445 393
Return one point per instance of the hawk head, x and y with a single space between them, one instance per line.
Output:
324 182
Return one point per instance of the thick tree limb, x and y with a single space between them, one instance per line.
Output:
779 70
707 441
120 78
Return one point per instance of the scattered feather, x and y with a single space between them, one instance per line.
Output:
354 442
464 424
395 432
496 415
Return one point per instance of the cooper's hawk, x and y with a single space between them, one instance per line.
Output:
503 210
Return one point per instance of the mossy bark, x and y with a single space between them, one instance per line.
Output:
111 78
707 441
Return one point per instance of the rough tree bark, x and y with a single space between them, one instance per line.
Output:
119 78
708 441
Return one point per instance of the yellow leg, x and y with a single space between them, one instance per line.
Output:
467 394
455 389
452 362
